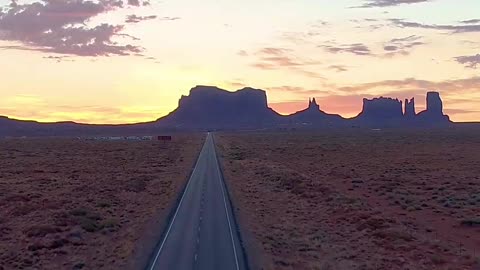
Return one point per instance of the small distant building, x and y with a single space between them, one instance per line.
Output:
164 138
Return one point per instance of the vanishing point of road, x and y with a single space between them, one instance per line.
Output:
202 234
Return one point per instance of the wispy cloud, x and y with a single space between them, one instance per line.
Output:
402 46
389 3
169 18
338 68
274 58
355 48
59 59
470 61
242 53
136 19
454 29
474 21
393 47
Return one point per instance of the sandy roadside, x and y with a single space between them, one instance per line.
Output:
369 201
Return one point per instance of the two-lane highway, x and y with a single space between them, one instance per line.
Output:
202 234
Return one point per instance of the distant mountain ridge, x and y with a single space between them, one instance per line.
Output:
18 128
213 108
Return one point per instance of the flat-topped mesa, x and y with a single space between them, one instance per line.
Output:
380 112
213 107
410 108
211 95
381 108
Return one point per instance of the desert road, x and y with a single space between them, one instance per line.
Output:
202 234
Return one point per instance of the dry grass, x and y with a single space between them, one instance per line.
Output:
69 204
370 200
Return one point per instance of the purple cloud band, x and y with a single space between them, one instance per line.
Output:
390 3
59 26
468 27
470 61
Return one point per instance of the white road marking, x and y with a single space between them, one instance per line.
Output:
226 209
178 208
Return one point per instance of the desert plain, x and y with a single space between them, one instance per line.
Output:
76 204
364 199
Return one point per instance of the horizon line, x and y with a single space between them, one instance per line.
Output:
66 121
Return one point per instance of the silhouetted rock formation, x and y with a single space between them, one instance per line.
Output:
314 117
410 108
380 111
209 107
388 112
312 105
433 115
434 103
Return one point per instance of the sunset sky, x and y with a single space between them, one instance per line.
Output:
121 61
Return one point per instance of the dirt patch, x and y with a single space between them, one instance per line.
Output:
372 200
71 204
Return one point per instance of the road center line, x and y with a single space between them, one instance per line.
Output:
226 209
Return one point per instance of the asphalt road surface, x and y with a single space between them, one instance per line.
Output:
202 234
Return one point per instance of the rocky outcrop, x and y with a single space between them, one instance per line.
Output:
410 108
388 112
434 103
312 105
433 115
312 116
